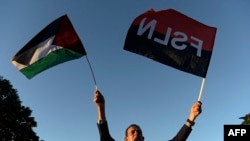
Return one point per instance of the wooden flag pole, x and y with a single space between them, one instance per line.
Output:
201 90
92 72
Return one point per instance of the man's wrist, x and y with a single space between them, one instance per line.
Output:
101 121
190 122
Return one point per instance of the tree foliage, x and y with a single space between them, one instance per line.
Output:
16 123
246 119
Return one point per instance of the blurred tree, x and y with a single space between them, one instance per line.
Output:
16 123
246 119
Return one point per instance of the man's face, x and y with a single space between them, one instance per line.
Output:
134 134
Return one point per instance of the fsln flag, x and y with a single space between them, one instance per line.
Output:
173 39
57 43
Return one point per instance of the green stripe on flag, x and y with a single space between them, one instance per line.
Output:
52 59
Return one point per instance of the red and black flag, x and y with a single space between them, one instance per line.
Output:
172 38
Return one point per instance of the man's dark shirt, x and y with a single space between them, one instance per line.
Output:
182 135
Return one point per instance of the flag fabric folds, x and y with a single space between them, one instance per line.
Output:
57 43
173 39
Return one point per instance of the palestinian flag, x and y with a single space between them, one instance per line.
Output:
173 39
58 42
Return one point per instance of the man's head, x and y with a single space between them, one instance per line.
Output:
133 133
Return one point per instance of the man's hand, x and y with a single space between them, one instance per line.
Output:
195 111
98 98
100 104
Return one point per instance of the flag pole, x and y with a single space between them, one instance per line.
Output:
92 72
201 90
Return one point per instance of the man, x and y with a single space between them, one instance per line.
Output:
134 132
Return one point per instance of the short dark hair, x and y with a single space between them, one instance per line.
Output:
132 125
